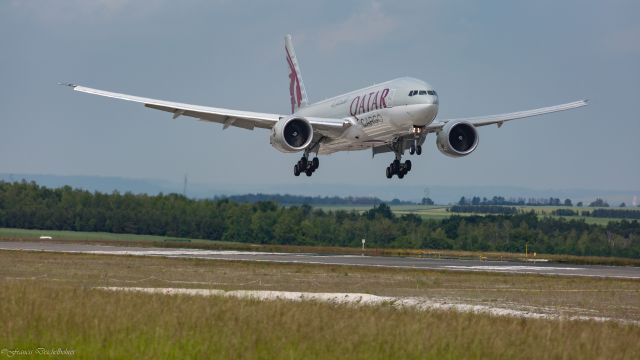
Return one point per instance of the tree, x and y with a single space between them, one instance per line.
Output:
567 202
427 201
383 210
462 201
623 205
579 204
599 203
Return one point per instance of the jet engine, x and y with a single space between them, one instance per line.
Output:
457 139
291 134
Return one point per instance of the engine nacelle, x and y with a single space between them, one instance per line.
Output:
457 139
291 134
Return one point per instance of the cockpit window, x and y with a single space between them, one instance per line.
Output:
422 92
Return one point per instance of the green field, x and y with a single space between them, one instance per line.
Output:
439 212
29 234
48 300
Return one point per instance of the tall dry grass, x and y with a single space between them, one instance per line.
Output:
98 324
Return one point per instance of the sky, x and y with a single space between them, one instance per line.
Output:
482 58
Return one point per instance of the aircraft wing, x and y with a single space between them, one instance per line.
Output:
243 119
502 118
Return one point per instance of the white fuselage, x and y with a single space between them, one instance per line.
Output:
378 113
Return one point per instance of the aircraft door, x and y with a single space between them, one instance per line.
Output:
391 97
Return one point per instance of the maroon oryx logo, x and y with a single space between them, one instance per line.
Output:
294 84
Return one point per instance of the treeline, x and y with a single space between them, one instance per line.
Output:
500 200
619 214
484 209
27 205
310 200
600 213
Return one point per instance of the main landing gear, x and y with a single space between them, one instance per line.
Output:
398 168
306 166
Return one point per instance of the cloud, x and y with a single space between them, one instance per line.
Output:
365 26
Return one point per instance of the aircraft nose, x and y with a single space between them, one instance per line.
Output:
424 114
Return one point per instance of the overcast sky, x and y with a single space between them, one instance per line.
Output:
481 57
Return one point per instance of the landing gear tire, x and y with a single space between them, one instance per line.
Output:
398 168
395 166
412 149
306 166
419 150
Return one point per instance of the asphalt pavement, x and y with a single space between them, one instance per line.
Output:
545 268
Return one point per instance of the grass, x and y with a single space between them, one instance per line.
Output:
574 296
84 236
47 300
123 325
12 233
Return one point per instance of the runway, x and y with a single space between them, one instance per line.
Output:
629 272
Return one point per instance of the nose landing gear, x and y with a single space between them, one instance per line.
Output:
415 149
418 138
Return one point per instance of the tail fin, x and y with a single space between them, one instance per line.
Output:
296 86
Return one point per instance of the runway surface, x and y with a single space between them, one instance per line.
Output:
354 260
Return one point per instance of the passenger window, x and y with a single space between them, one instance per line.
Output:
431 92
423 92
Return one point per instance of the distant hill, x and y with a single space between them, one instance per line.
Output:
441 194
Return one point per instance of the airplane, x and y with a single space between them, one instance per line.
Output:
393 116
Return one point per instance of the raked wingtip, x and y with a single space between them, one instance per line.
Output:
73 86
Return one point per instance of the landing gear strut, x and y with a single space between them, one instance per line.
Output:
397 167
415 149
306 166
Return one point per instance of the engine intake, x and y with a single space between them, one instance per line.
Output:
291 134
457 139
